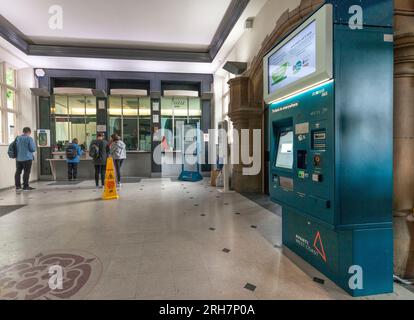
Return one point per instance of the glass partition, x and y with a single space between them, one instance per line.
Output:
74 117
176 112
167 122
130 118
194 111
130 122
145 124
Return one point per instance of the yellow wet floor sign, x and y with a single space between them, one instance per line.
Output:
110 192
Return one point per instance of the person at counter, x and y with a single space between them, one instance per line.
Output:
73 152
99 150
118 153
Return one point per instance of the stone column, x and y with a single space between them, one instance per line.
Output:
244 115
404 139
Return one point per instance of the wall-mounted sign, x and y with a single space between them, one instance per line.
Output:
157 134
155 118
43 138
101 128
206 137
156 106
101 104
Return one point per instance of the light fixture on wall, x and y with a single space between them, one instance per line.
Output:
99 93
248 24
40 92
235 67
40 73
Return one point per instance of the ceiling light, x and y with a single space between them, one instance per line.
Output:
40 73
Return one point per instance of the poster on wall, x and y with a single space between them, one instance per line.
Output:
101 105
101 128
43 138
294 61
156 134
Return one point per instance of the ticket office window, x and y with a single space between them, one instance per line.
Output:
175 113
130 118
74 117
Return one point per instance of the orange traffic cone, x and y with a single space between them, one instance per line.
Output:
110 192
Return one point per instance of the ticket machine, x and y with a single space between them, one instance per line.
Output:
328 86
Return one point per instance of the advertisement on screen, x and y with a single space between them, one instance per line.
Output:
294 61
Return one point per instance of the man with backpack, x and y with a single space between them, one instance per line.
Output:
99 150
22 149
73 152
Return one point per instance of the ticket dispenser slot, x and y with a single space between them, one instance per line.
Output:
302 162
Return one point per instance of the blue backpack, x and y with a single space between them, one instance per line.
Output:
71 152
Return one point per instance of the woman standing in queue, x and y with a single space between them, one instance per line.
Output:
118 153
99 150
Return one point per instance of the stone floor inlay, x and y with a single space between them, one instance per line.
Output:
29 279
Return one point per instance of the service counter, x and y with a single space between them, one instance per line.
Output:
137 164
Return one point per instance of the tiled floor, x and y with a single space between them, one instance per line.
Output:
162 240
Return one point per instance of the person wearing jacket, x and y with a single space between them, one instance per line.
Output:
25 147
73 152
99 150
118 153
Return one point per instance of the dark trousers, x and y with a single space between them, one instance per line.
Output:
118 165
100 170
26 167
72 171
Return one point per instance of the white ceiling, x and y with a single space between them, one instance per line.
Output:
147 23
21 60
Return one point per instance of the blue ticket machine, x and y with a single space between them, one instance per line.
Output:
329 87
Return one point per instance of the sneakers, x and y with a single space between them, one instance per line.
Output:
28 189
18 189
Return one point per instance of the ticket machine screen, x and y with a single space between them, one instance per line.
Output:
285 150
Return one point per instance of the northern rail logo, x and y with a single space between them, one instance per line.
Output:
317 247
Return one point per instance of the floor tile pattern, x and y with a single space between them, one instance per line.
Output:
154 243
